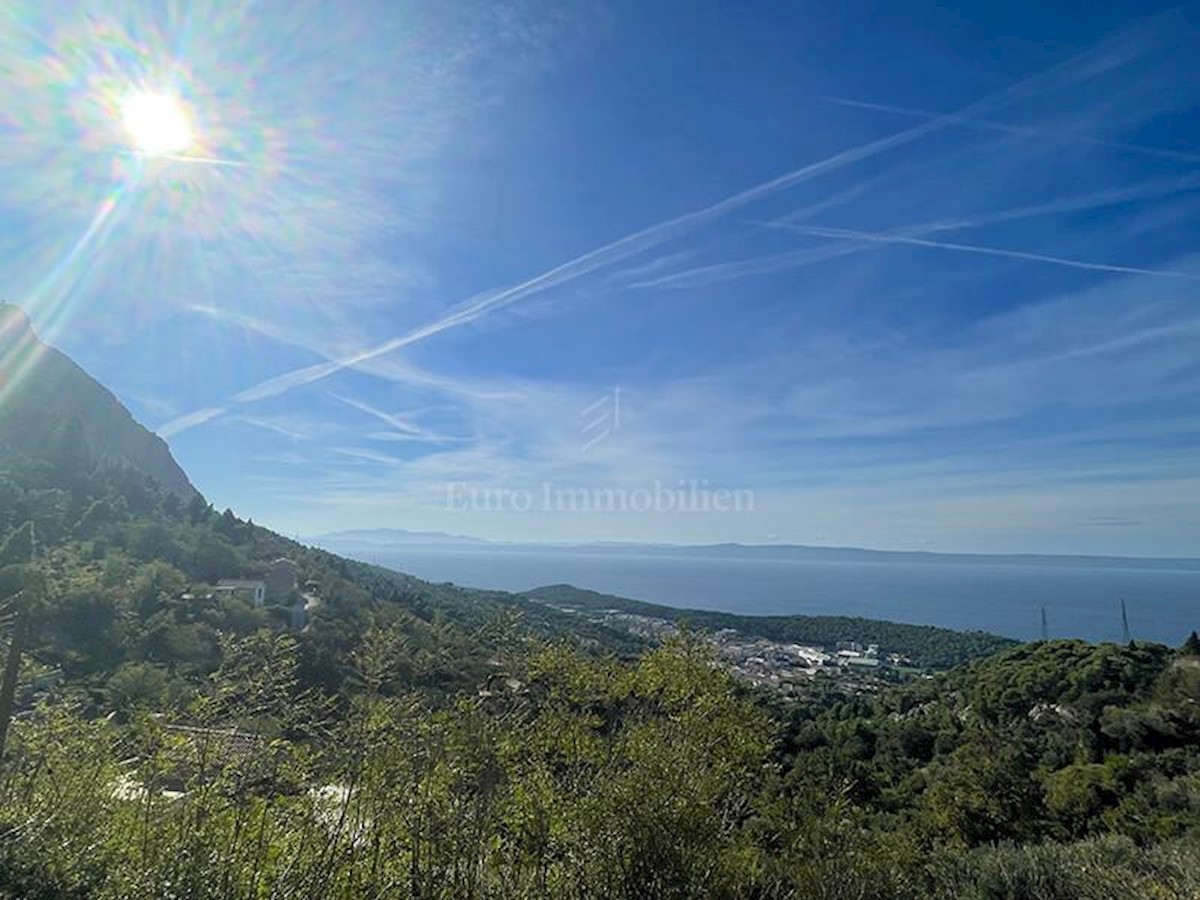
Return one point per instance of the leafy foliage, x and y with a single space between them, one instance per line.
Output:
567 775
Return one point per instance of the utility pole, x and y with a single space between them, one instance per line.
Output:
12 670
16 645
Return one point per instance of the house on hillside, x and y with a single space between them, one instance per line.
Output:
253 590
277 584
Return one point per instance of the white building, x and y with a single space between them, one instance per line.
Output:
254 590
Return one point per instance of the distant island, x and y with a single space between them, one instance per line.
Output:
385 538
391 537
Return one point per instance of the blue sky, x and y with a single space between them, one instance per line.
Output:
922 278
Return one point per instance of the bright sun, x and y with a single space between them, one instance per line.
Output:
157 124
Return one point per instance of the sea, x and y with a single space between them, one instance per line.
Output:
1162 605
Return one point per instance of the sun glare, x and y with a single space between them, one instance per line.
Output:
157 124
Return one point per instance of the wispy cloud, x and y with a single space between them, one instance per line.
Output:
911 241
888 398
929 417
1104 57
191 420
703 276
402 429
1022 130
297 427
370 456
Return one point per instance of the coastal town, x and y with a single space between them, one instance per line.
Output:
784 666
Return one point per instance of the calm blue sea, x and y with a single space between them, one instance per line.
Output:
1004 599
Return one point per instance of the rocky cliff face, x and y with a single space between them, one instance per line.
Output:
41 389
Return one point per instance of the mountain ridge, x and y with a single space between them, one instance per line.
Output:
42 390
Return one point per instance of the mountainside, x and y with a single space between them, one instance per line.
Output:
42 391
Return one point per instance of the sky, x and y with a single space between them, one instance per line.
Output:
918 277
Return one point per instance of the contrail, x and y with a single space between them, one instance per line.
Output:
705 275
408 430
614 251
183 158
847 234
387 418
1108 55
1146 190
191 420
1024 130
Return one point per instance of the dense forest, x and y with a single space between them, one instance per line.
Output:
413 740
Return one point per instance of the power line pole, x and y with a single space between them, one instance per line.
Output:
12 671
16 645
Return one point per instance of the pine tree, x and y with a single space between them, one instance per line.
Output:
228 525
1191 647
198 510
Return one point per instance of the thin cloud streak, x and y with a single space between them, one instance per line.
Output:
719 272
1021 130
191 420
388 419
1103 57
885 238
367 456
617 250
405 430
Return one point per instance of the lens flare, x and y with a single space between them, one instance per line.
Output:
157 123
269 157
